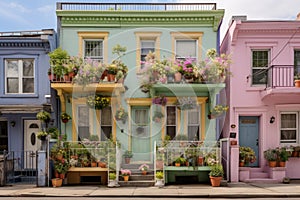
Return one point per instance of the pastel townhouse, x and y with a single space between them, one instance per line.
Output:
24 62
91 32
263 96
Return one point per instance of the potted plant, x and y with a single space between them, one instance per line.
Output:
185 103
125 174
179 161
43 116
127 155
112 179
97 101
159 175
42 135
217 111
121 114
144 168
246 155
216 174
159 100
61 166
57 59
53 132
283 156
297 80
271 156
65 117
157 116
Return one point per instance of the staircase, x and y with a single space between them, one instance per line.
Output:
136 179
260 175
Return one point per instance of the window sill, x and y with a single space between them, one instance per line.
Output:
19 95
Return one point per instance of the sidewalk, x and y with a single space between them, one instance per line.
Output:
240 190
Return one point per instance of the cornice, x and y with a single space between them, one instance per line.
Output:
23 44
141 19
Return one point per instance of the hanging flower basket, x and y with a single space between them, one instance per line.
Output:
65 117
185 103
159 100
97 101
218 111
121 115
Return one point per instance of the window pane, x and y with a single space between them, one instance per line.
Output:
28 85
297 62
193 133
171 131
288 120
83 122
141 116
186 48
288 135
106 132
94 49
12 68
260 61
28 68
147 46
171 115
106 116
12 85
193 117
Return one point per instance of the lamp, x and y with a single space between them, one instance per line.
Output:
272 120
13 123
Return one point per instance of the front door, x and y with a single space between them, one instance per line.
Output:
31 142
140 134
249 135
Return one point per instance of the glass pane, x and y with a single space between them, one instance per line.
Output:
106 117
171 115
147 46
106 132
83 116
3 136
93 49
141 116
186 48
259 76
12 85
193 133
193 117
288 135
288 120
12 68
171 131
260 59
28 85
27 67
83 132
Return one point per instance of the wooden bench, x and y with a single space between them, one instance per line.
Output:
75 174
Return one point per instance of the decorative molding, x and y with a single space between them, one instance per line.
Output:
25 44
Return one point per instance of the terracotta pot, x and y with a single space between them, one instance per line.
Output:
102 164
233 142
62 176
126 178
272 163
64 120
177 77
56 182
144 172
295 154
159 164
281 164
297 83
56 174
66 78
200 161
215 181
93 164
111 77
242 164
127 160
177 164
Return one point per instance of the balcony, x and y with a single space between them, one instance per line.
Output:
135 6
280 87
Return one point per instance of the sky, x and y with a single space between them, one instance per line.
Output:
20 15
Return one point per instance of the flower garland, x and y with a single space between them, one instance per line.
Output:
121 114
97 101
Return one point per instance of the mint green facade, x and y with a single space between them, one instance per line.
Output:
122 27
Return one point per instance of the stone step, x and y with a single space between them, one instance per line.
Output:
136 183
135 166
259 175
139 177
261 180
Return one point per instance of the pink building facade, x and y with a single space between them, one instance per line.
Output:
264 102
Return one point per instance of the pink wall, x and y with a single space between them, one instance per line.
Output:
245 100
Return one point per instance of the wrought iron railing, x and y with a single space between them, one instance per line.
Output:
135 6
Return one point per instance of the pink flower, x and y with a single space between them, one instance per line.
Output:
125 172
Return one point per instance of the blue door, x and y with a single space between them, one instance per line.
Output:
249 135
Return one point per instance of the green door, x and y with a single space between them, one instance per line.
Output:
140 134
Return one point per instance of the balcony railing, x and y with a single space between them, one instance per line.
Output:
136 6
280 76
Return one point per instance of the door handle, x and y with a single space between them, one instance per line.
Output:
256 142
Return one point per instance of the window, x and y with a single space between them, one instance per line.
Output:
186 49
297 62
106 123
289 124
140 125
93 49
146 47
19 76
260 62
193 124
171 121
3 136
83 122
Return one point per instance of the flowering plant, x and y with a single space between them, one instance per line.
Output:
159 100
219 109
97 101
121 114
43 116
41 134
65 116
185 103
214 69
125 172
144 167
